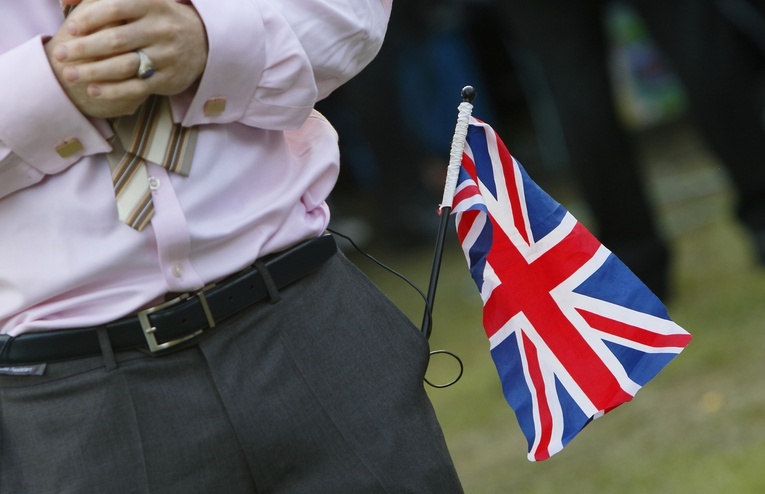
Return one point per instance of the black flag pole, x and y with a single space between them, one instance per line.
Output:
455 159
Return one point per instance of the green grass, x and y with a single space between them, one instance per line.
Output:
698 427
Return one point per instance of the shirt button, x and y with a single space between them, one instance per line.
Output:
153 183
178 270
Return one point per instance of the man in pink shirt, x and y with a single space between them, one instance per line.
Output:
212 339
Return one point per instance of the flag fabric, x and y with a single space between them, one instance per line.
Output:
573 332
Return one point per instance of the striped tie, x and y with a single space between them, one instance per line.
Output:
149 135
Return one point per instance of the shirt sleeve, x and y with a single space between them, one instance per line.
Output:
41 131
269 61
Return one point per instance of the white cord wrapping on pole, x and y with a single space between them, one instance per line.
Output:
465 109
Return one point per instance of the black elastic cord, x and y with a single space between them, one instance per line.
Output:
425 330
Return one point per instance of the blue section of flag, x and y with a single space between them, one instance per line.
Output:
640 369
546 212
634 294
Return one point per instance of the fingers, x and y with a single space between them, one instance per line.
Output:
128 89
105 43
102 28
114 78
94 100
116 68
94 15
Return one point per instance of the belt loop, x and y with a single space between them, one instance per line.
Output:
273 291
5 340
110 362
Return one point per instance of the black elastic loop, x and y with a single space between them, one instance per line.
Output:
459 375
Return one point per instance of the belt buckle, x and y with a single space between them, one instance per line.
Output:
149 329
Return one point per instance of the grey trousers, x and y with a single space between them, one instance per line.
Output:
321 392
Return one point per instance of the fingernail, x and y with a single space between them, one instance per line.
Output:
60 53
94 91
71 26
71 74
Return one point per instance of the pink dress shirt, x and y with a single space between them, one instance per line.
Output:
259 179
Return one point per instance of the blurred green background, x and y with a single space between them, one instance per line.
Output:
698 427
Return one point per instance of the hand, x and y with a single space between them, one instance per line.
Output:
103 36
77 91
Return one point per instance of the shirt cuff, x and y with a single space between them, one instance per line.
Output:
38 122
235 60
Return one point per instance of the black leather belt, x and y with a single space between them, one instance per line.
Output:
177 320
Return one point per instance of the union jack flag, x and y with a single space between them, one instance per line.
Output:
573 332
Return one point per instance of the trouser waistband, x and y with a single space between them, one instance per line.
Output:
178 320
